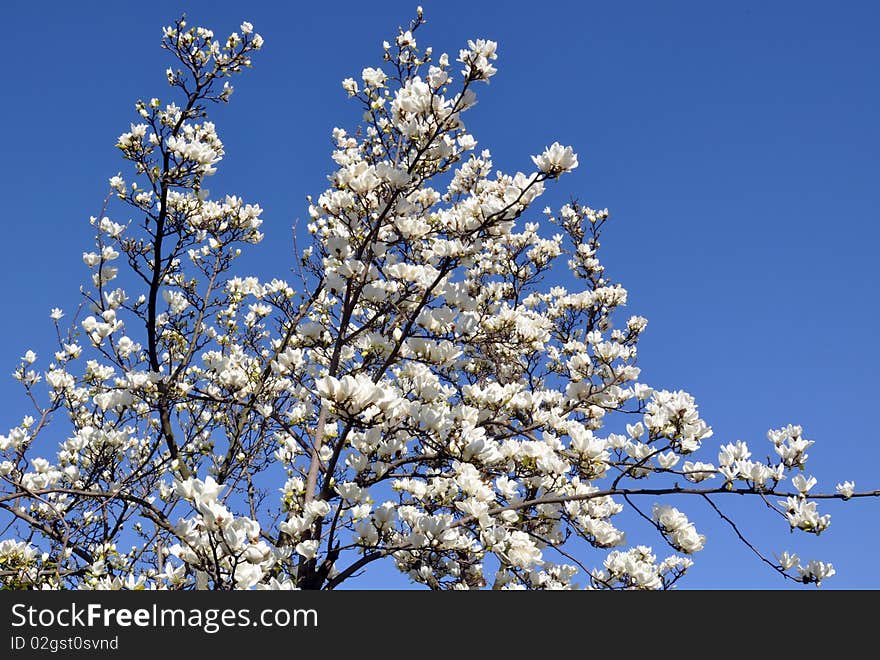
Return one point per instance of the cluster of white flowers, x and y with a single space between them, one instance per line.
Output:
637 568
424 356
20 564
216 541
813 572
678 529
674 415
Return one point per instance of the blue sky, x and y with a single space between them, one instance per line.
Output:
737 148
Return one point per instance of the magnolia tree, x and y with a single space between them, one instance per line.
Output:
428 390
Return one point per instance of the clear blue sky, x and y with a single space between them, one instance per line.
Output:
737 147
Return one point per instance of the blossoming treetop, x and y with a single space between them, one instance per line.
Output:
423 392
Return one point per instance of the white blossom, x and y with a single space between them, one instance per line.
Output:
847 488
556 159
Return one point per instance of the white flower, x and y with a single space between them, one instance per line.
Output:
176 300
373 77
556 159
787 560
350 86
118 184
355 393
246 28
308 549
406 40
59 379
296 525
41 465
729 473
316 508
605 535
667 460
731 453
669 518
697 471
688 540
247 575
847 488
803 484
816 571
437 77
56 314
635 431
758 473
521 550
